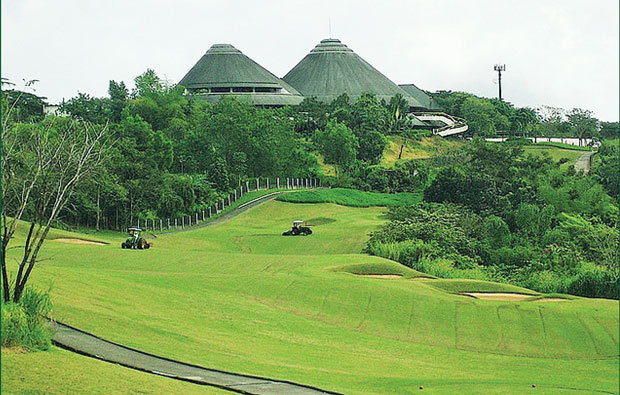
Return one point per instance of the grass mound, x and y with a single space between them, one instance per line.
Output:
380 268
456 286
352 198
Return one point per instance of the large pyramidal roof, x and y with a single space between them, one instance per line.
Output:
424 98
332 68
223 69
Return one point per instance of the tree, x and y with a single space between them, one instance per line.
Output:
609 130
89 109
582 123
336 143
41 166
118 97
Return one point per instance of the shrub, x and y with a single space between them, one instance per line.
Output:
546 281
23 323
595 282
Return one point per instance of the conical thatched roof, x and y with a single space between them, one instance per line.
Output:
424 98
223 69
332 69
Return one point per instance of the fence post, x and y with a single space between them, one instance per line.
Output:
168 224
182 222
189 218
235 195
209 211
203 215
257 183
268 182
247 186
278 182
228 199
138 222
196 216
176 226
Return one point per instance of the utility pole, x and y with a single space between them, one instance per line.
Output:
499 68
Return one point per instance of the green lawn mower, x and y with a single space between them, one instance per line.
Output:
135 242
300 228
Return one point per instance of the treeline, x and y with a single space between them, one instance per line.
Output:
492 117
494 213
172 154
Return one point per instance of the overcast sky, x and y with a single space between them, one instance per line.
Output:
557 52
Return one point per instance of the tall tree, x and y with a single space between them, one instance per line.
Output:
41 166
582 123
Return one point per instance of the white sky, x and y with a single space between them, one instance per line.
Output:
562 53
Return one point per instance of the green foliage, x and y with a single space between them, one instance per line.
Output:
607 168
23 106
336 143
23 323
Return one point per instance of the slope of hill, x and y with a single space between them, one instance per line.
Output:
238 296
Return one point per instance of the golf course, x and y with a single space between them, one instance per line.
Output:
239 297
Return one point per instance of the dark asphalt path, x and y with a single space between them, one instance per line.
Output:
90 345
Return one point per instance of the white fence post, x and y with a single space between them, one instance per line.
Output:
268 182
278 182
182 222
209 211
257 183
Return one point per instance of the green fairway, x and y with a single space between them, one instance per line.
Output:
353 198
238 296
63 372
555 153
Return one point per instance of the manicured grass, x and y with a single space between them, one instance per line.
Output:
352 198
563 146
63 372
555 153
238 296
380 267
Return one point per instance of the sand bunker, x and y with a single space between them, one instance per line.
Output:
382 275
551 300
80 241
497 296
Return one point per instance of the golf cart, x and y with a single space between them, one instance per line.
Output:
300 228
135 241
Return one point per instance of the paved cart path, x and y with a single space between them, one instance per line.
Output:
85 343
90 345
234 212
584 162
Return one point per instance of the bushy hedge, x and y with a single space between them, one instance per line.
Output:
352 197
24 324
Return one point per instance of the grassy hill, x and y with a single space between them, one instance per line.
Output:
424 148
238 296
